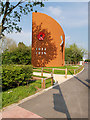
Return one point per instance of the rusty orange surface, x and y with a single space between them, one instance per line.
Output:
47 52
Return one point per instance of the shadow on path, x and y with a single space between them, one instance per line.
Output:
87 85
59 103
87 80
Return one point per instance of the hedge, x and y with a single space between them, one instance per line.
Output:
13 76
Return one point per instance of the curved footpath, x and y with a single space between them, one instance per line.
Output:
66 100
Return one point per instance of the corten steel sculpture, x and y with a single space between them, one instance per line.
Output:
48 41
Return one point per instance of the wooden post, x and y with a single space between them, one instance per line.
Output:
74 72
52 78
53 70
42 72
66 73
43 83
51 74
64 62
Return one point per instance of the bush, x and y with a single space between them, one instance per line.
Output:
13 76
87 60
20 55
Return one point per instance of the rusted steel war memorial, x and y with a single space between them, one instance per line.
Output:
48 41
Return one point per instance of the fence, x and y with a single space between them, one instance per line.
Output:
74 63
43 79
52 70
77 70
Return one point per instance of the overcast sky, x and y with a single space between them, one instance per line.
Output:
72 16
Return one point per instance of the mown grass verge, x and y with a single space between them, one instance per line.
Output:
14 95
70 69
39 76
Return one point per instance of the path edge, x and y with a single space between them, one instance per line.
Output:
36 94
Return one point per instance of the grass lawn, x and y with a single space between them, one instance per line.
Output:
0 100
16 94
39 76
69 72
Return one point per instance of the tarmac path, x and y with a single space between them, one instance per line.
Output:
66 100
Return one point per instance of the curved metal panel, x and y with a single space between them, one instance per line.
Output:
48 41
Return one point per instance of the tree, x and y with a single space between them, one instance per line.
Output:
7 43
11 12
73 53
20 55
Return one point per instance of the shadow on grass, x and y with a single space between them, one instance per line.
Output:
71 73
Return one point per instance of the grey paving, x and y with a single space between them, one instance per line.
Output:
67 100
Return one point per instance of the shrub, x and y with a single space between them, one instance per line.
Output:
20 55
87 60
13 76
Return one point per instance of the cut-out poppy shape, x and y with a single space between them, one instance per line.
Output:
41 36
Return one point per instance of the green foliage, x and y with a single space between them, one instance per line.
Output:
69 68
13 76
20 55
39 76
11 13
7 43
79 69
15 94
0 100
73 53
87 60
